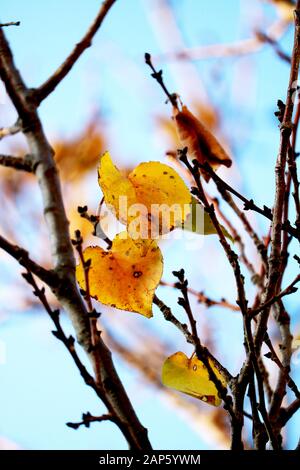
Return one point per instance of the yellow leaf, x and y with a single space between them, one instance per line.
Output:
201 143
157 184
190 376
115 185
153 194
126 276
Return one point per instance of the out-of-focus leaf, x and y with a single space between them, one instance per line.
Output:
190 376
201 143
79 155
285 9
199 221
126 276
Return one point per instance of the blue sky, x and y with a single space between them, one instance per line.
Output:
40 388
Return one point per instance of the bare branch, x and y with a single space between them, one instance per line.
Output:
66 292
249 204
46 88
288 413
204 299
12 130
290 289
87 419
157 75
285 133
47 276
168 315
11 23
236 49
18 163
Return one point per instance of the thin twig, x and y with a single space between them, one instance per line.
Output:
249 204
204 299
12 130
95 220
11 23
49 277
290 289
263 37
235 49
46 88
288 413
157 75
95 333
273 356
18 163
87 419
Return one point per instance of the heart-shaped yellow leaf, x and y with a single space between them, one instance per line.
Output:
190 376
153 195
126 276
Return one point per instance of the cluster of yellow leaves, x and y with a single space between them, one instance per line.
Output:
127 275
114 282
190 376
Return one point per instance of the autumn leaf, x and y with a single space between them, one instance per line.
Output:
115 185
206 113
126 276
78 155
152 186
201 143
190 376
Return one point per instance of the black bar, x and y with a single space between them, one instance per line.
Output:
128 459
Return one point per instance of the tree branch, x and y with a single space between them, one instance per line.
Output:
46 88
11 23
285 133
66 292
204 299
87 419
249 204
290 289
12 130
18 163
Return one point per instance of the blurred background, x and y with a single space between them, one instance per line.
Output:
228 61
